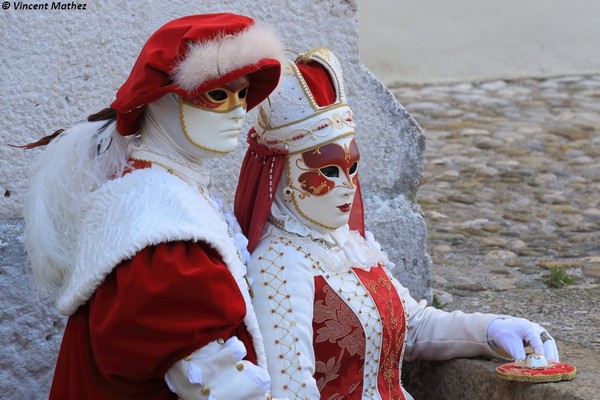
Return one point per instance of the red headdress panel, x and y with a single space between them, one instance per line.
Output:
197 53
307 110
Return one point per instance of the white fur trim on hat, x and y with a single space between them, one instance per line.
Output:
206 61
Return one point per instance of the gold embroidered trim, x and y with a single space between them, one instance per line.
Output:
185 132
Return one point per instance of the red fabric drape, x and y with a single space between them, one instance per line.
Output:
357 213
151 311
259 176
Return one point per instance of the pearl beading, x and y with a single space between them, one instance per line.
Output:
292 120
319 129
271 273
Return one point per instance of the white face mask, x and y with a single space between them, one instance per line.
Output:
213 120
321 183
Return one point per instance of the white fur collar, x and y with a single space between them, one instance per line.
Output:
145 208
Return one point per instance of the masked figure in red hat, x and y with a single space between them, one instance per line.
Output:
336 324
123 229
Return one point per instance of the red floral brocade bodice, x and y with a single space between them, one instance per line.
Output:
359 325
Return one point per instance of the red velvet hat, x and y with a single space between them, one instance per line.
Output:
197 53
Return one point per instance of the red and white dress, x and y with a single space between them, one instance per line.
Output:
157 276
337 324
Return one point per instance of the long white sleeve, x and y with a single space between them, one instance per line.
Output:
283 284
435 334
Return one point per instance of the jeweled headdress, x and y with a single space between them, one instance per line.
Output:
292 120
308 109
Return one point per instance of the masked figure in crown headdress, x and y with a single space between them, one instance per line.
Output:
335 322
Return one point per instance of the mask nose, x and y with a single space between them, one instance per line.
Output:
349 183
237 114
348 190
233 101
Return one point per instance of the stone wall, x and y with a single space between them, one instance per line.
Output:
57 66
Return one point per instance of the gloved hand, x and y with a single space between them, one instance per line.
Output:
513 334
217 371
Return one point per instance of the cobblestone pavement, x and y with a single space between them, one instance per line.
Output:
511 188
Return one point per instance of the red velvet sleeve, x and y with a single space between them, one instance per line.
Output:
160 306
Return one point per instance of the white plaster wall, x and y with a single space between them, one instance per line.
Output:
425 41
57 67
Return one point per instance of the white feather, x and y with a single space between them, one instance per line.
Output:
74 164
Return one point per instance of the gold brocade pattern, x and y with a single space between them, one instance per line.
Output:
394 327
357 296
370 296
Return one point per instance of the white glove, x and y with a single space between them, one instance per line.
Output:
513 334
217 371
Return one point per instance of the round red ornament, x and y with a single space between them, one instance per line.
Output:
519 371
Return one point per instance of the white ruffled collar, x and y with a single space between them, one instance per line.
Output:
343 248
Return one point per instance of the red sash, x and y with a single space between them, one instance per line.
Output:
339 339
